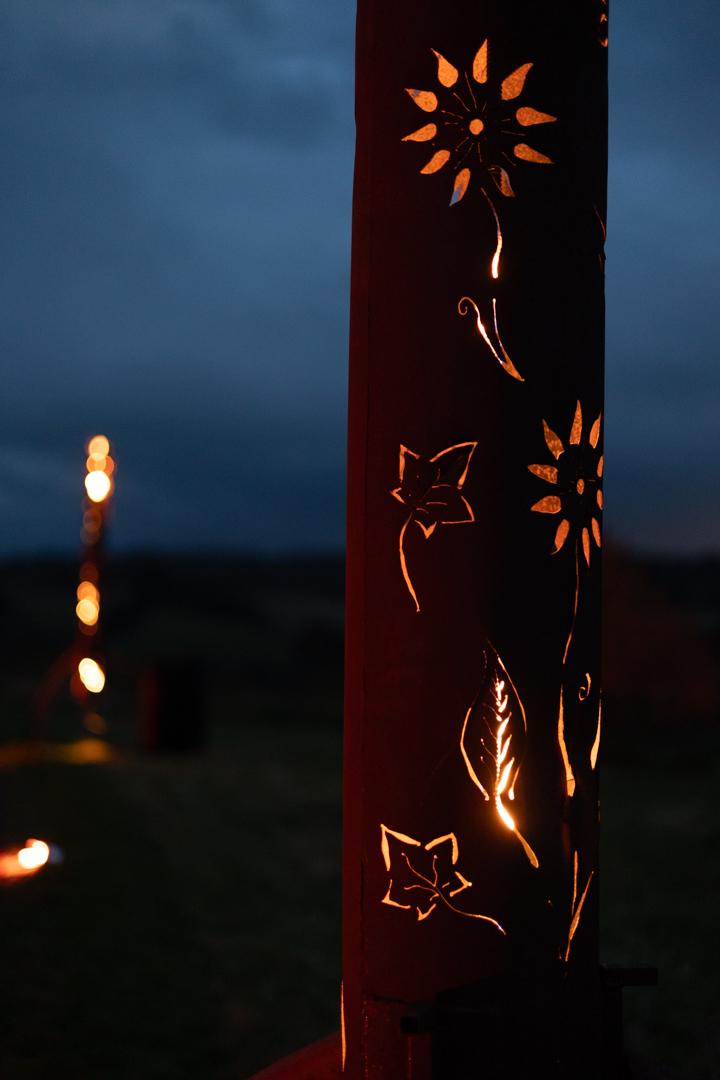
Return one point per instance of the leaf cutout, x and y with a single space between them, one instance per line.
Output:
576 430
596 532
552 442
586 545
423 134
480 63
527 117
549 505
526 153
460 187
424 99
513 85
600 465
595 432
423 876
494 729
561 535
599 497
447 74
436 162
501 180
545 472
595 748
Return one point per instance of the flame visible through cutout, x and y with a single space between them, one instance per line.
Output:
576 906
499 727
432 492
424 876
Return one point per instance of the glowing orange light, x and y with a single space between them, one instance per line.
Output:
87 611
97 486
27 860
501 768
576 906
98 447
425 891
34 855
442 501
87 590
569 775
465 304
91 675
595 749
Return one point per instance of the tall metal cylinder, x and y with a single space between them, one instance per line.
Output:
474 537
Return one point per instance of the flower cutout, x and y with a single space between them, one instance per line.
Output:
577 484
478 124
422 876
603 20
431 490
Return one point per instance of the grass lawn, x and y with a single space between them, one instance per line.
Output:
193 929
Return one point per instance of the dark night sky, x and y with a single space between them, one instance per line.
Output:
176 187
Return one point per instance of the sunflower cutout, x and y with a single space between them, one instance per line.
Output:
479 127
603 24
577 483
577 497
479 131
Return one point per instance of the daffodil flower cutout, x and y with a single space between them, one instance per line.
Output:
431 490
478 124
423 876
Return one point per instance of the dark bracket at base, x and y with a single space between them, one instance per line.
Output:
509 1028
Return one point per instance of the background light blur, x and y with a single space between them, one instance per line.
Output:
176 218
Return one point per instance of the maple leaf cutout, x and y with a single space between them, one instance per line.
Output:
431 490
422 876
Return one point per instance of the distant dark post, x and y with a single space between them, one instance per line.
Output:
474 533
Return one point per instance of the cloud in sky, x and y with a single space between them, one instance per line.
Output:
176 222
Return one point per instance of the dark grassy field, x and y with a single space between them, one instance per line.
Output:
193 928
